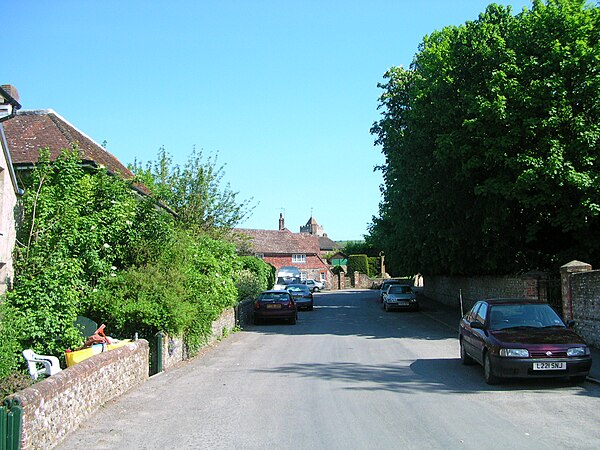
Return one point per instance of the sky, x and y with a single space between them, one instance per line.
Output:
284 92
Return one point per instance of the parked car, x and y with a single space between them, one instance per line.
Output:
521 338
275 305
387 283
302 294
314 285
400 296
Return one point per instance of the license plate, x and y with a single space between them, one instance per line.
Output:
273 306
402 303
550 365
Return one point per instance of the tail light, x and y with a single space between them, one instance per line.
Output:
256 305
291 305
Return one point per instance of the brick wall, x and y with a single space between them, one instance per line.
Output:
582 304
447 289
55 406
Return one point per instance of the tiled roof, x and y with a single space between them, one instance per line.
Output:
327 244
281 242
31 130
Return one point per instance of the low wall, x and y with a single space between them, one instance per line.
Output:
174 351
244 312
446 289
59 404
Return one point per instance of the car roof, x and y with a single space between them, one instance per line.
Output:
503 301
274 291
407 282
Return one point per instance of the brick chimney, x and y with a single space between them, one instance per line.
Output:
10 90
281 222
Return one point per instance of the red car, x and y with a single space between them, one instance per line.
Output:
521 338
275 305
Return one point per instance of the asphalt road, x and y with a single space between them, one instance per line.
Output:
347 376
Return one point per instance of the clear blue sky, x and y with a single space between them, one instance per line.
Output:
284 91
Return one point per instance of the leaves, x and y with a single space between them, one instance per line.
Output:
491 144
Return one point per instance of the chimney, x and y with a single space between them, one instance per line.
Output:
10 90
281 222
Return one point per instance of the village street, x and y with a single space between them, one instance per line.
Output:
347 376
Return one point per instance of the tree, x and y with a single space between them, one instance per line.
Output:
194 191
491 141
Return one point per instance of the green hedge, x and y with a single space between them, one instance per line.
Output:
358 263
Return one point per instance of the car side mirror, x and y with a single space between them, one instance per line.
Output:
570 323
477 325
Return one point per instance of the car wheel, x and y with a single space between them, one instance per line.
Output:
578 379
294 319
385 307
310 308
464 357
490 378
316 289
257 321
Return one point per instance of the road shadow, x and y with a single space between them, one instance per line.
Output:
422 375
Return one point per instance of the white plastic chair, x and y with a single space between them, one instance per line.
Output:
51 366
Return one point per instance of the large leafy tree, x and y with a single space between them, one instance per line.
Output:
491 140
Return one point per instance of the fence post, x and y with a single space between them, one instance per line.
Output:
11 414
156 353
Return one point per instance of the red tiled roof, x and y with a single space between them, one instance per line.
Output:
281 242
30 131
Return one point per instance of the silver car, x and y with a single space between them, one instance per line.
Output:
400 296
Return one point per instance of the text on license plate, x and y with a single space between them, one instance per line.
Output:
273 306
550 365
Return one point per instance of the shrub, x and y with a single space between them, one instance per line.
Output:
358 263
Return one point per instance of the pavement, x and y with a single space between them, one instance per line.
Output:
449 316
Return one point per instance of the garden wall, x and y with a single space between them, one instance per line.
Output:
59 404
447 289
174 351
581 300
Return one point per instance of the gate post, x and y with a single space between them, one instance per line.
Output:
565 282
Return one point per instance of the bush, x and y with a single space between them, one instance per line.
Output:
181 293
358 263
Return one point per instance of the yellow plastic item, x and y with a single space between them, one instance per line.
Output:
81 355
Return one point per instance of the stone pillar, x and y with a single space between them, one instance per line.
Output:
565 282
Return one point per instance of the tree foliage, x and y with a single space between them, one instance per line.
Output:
195 191
491 141
91 245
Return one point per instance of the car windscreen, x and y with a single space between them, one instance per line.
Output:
296 288
523 315
399 289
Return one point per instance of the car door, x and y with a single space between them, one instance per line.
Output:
480 335
468 338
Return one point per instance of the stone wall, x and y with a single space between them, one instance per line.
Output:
446 289
59 404
581 300
174 351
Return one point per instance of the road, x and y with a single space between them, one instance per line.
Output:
347 376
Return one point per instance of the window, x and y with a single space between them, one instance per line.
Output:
299 258
260 255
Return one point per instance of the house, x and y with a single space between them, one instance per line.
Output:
282 248
9 191
32 130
